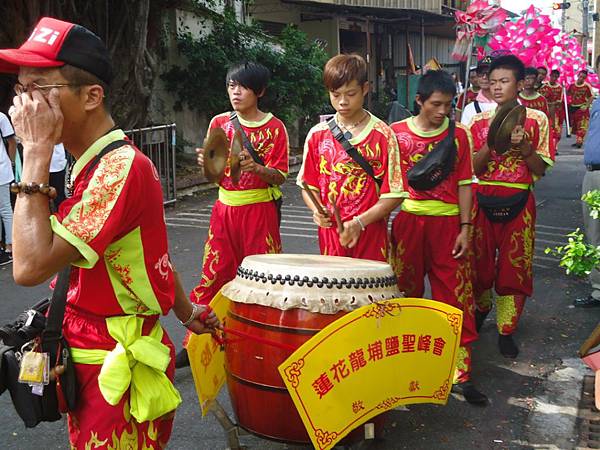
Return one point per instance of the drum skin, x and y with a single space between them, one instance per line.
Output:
259 397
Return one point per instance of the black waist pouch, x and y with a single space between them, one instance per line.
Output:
502 209
434 167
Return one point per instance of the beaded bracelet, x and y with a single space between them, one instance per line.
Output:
33 188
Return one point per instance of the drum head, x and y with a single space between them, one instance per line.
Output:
322 284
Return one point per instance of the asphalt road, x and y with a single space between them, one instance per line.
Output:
533 398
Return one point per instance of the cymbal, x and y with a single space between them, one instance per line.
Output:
501 113
216 151
515 117
234 157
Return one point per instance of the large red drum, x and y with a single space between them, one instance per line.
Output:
287 299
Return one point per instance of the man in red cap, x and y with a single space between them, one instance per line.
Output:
121 277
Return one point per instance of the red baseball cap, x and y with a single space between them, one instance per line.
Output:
54 43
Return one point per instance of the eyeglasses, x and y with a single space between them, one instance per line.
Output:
20 89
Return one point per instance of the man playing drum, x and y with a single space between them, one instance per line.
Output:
440 208
351 164
245 218
504 222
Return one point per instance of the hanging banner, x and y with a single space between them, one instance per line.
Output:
376 358
207 359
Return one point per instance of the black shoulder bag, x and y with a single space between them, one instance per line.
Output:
434 167
339 136
255 156
33 328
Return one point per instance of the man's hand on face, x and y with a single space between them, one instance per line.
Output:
38 122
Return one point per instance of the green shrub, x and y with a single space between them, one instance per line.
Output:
295 91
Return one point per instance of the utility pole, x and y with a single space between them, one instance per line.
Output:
584 42
564 16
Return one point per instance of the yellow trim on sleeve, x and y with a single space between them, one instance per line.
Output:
547 159
89 257
402 194
465 182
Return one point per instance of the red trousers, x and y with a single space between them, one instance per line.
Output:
504 259
504 251
422 245
372 244
580 123
234 232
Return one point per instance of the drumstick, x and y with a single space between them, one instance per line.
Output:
336 213
313 199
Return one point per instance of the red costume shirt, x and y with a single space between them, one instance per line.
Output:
552 92
328 168
536 101
579 95
510 167
270 140
471 96
115 218
414 144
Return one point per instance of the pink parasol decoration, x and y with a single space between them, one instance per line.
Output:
475 26
537 43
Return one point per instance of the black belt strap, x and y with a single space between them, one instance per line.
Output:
245 141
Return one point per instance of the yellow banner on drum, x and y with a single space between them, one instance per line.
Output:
207 360
380 356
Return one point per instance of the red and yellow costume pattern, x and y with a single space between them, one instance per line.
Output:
330 171
118 289
504 251
580 97
539 102
555 98
435 213
244 219
471 97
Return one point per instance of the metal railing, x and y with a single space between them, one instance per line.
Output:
158 143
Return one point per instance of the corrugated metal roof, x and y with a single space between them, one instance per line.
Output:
432 6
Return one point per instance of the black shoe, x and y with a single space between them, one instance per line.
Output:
470 393
480 318
182 360
507 346
587 302
575 145
5 258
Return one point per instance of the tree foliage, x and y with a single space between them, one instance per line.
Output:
131 29
295 91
